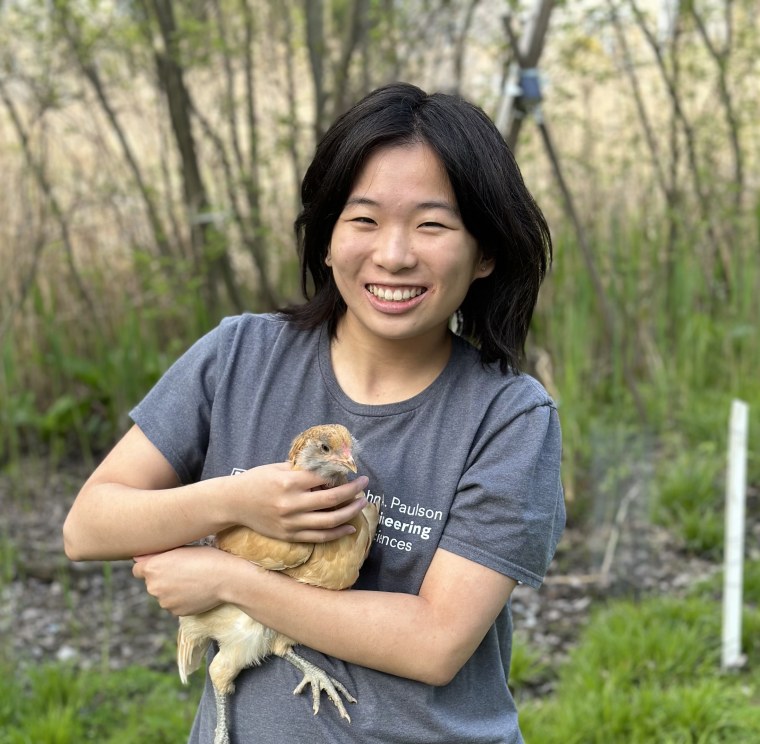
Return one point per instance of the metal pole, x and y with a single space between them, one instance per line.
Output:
527 52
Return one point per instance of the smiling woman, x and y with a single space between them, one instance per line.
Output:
403 262
479 188
413 209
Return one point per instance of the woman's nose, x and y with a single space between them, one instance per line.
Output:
394 251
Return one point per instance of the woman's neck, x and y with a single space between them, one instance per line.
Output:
378 371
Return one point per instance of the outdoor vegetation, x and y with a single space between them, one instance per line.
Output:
151 153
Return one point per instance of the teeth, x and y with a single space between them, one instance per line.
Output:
394 295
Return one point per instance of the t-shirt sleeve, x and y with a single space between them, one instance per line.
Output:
509 512
176 414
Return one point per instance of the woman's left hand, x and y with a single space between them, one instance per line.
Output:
185 581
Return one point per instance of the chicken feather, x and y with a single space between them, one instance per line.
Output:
243 642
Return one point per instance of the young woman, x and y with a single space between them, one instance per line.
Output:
414 211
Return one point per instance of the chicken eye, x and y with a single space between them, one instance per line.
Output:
325 448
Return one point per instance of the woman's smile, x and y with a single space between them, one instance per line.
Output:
394 294
395 300
401 256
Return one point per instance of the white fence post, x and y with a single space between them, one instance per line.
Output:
736 491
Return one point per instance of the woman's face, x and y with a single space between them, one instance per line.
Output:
400 254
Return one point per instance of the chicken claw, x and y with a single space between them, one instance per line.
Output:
320 680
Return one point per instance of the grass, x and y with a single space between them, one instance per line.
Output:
57 704
642 672
646 672
691 496
528 667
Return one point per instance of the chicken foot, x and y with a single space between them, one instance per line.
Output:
222 675
319 680
221 732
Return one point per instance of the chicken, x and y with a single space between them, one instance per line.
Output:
328 451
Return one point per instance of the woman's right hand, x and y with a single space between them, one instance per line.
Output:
290 505
133 504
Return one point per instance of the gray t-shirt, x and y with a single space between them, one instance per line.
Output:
471 465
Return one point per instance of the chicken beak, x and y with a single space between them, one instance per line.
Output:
345 459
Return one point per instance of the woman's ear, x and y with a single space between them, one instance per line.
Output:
328 257
485 267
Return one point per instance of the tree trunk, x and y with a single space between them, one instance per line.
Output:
315 43
208 244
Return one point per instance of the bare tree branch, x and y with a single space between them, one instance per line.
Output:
628 67
721 58
38 170
13 304
461 43
211 258
255 236
315 43
92 75
230 98
290 93
354 32
715 239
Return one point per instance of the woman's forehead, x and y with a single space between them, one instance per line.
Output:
411 170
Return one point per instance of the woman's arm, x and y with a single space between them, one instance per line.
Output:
133 504
427 637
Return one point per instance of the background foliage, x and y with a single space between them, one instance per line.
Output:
152 151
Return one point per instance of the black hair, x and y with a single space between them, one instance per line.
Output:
495 206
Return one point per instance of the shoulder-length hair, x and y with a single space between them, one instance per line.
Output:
495 205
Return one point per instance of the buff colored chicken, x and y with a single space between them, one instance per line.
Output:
243 642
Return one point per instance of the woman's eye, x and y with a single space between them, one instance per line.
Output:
432 224
363 220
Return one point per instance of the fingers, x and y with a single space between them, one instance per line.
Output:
306 480
141 567
323 536
138 570
184 581
336 505
324 526
145 557
338 497
330 508
287 504
141 564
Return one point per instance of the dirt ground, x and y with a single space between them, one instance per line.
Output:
98 614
